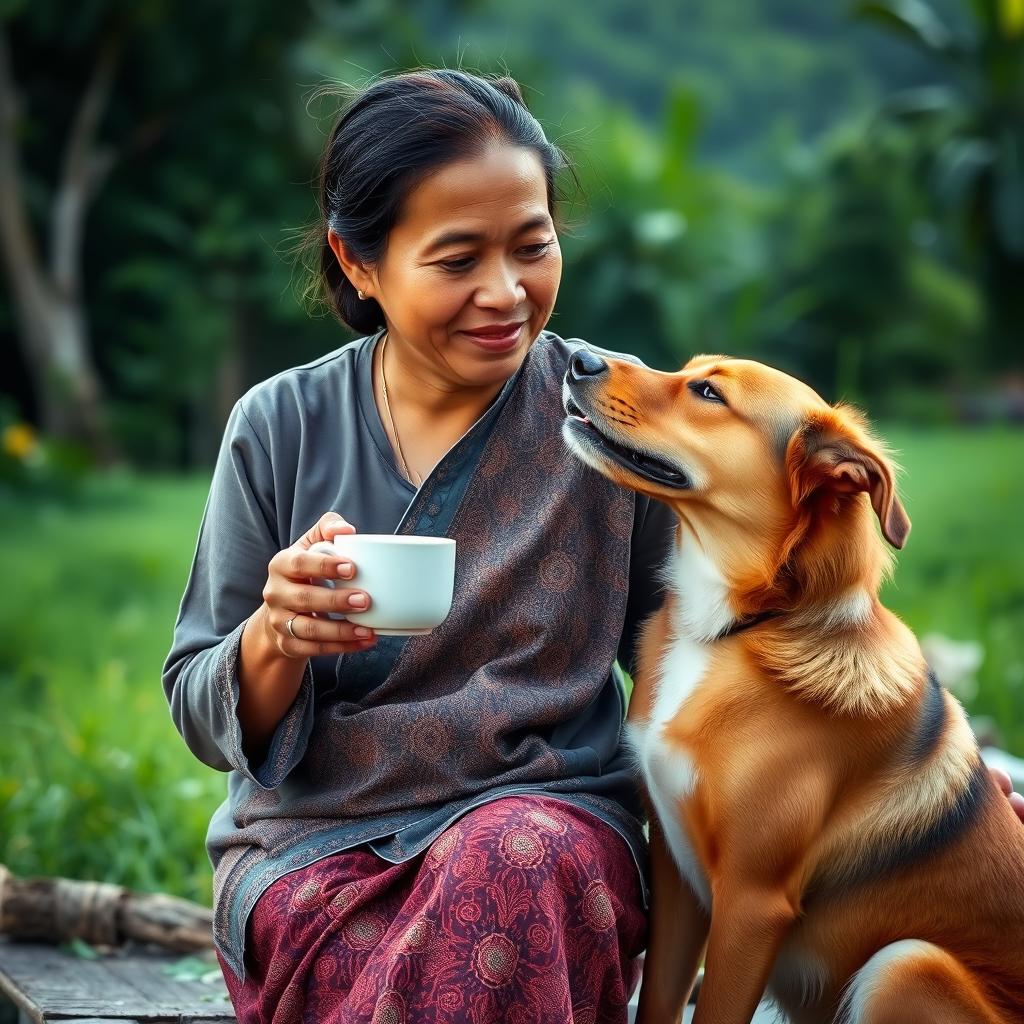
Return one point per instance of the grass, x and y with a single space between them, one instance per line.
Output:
96 783
94 780
962 571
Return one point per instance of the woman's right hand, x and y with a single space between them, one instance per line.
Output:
291 595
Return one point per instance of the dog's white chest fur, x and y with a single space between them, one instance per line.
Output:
668 772
701 612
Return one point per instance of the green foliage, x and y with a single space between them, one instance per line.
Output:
668 254
185 253
739 194
34 465
864 303
839 273
973 119
94 780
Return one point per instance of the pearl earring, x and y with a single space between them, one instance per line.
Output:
360 293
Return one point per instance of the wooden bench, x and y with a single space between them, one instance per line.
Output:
40 982
45 983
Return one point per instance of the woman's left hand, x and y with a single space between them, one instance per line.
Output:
1004 783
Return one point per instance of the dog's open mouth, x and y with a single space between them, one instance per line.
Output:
652 469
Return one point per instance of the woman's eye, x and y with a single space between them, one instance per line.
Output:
462 263
538 249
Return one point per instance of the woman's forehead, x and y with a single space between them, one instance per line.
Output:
501 191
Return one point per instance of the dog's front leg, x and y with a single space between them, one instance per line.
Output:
747 928
677 933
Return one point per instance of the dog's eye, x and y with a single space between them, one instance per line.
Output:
706 391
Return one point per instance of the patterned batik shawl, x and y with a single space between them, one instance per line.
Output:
475 706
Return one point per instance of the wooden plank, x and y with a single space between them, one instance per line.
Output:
48 984
192 998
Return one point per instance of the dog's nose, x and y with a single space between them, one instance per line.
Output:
586 364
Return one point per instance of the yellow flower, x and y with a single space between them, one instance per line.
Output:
19 440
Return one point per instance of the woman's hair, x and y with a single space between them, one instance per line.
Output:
391 136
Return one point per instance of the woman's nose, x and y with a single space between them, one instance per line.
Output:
502 289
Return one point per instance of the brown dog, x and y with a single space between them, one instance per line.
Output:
821 823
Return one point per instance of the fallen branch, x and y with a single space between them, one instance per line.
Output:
60 909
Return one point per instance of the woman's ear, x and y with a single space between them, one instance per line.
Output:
833 452
355 270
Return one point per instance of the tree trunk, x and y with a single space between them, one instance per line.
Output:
68 390
48 304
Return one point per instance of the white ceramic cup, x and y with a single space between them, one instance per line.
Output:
410 579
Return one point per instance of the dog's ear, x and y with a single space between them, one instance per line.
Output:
832 451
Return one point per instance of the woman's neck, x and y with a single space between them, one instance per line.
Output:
417 395
422 419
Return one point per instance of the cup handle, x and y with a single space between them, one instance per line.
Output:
328 549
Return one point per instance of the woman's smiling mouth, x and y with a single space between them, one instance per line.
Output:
497 337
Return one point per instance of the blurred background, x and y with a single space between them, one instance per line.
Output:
837 189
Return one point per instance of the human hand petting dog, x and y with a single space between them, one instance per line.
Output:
1004 782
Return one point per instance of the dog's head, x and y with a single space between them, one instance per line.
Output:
765 473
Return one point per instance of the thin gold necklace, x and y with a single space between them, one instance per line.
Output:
391 419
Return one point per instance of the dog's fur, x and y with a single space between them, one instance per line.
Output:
821 823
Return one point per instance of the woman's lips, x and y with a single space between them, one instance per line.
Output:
497 339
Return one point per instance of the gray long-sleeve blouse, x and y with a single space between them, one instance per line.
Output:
516 692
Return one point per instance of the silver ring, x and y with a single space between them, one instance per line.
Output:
291 632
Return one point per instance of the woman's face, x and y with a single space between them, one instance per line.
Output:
472 267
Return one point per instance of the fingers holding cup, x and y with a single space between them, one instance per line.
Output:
303 636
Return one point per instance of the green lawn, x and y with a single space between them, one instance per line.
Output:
96 783
962 570
94 780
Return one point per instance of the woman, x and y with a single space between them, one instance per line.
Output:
440 827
